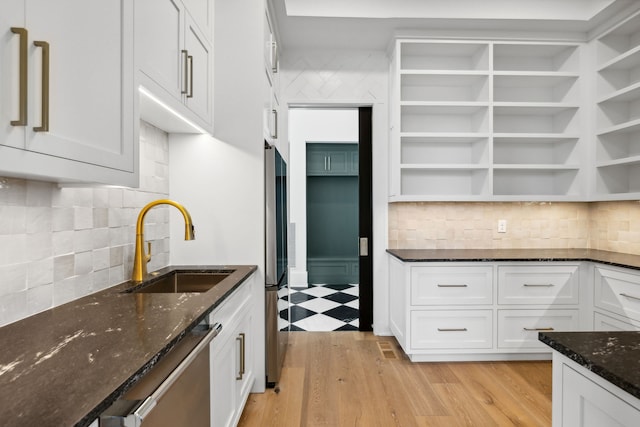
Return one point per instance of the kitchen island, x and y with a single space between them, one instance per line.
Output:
66 365
596 378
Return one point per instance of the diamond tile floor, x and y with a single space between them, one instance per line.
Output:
324 308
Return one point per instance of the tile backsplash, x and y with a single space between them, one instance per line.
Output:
600 225
60 243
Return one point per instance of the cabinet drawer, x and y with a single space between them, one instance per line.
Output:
438 329
519 328
451 285
606 323
552 284
618 292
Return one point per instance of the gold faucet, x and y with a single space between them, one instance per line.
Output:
141 259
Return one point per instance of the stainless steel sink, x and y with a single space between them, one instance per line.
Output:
180 281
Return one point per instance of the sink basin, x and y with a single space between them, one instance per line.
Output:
180 281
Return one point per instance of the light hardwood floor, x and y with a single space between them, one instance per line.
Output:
358 379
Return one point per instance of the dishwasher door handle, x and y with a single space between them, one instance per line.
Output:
136 419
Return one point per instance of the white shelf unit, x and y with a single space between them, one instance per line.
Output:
617 116
482 120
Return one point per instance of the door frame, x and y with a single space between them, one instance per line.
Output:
377 252
365 216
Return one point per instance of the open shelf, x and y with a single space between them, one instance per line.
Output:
529 151
443 150
615 146
618 179
436 118
530 88
486 121
444 56
535 57
452 182
536 182
547 119
619 41
444 87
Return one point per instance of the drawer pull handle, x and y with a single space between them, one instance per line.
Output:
539 285
452 329
629 296
452 286
22 84
538 329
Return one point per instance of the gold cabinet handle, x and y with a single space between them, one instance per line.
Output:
538 329
44 125
274 57
185 76
274 131
241 339
22 68
190 61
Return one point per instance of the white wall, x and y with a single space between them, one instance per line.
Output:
310 125
350 78
220 179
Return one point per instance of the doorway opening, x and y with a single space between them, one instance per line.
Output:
331 216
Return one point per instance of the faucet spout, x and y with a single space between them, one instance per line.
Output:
141 258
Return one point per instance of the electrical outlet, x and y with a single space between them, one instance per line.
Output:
502 226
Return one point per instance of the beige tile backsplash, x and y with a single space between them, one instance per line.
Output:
611 226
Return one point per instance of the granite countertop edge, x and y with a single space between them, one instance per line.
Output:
108 340
593 351
489 255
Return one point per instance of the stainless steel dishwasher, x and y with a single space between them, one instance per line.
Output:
175 392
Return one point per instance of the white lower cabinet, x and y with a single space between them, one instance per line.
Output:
582 399
232 369
617 291
483 310
442 329
520 328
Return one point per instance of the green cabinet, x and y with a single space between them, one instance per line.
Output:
332 159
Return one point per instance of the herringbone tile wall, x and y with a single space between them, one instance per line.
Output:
316 75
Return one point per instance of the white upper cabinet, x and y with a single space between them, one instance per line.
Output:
175 61
617 139
67 92
482 120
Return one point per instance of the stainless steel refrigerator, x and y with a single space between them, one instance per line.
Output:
276 277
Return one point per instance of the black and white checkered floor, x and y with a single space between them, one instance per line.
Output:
324 308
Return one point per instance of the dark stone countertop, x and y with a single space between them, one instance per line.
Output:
614 356
487 255
66 365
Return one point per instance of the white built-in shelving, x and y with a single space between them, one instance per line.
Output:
617 144
485 120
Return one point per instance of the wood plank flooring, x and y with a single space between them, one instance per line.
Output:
358 379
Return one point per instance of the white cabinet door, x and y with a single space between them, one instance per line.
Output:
201 12
199 81
435 329
90 97
12 16
618 292
159 41
82 128
244 357
586 404
451 285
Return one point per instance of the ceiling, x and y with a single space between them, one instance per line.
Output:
370 24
